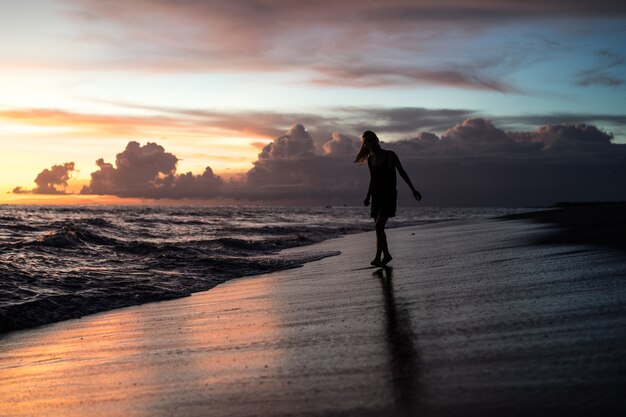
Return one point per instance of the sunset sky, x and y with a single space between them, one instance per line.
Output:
214 82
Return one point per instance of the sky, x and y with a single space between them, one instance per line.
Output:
486 102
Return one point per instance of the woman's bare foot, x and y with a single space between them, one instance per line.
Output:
386 260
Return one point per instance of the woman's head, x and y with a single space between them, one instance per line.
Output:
369 143
369 139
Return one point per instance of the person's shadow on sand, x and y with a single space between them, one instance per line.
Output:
403 356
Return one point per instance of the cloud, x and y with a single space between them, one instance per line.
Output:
475 163
563 118
20 190
472 163
341 145
296 143
150 172
474 136
138 170
206 123
107 124
561 138
596 77
398 121
289 169
336 43
204 186
49 179
367 75
481 138
600 74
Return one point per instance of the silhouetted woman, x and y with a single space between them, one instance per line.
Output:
382 189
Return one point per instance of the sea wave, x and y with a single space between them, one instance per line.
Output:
62 262
25 305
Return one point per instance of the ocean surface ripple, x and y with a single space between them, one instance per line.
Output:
62 262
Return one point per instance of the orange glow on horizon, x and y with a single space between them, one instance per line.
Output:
67 199
41 138
73 196
107 124
93 200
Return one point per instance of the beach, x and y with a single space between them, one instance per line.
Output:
476 317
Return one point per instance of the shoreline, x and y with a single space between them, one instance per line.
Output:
28 314
601 223
577 223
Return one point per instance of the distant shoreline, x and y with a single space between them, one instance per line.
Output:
595 223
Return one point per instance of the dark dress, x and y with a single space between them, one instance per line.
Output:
384 194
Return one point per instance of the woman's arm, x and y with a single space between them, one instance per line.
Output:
366 202
405 176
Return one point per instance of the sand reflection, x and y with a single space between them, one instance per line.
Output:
144 361
403 355
60 367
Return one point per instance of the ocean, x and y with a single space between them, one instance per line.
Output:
62 262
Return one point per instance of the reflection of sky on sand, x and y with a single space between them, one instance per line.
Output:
141 361
334 341
228 362
403 354
56 378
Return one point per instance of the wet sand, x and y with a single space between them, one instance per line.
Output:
473 318
582 223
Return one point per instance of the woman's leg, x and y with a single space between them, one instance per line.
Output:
379 249
381 240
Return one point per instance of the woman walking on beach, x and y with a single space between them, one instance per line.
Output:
382 189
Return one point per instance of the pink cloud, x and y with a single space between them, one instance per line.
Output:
338 43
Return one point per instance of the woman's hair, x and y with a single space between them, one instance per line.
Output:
364 152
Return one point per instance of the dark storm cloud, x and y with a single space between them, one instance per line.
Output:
148 171
472 163
289 169
614 123
562 138
475 163
481 138
49 179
